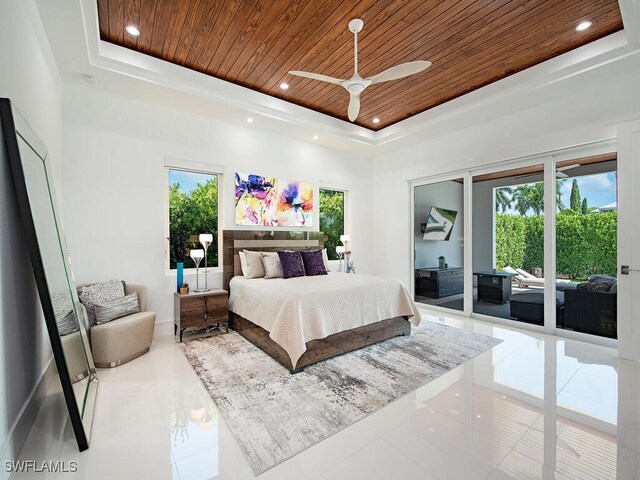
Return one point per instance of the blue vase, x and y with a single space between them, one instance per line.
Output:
180 274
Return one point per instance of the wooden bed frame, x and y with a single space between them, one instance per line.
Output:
317 350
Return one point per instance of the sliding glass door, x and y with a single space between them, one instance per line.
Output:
438 231
587 245
508 244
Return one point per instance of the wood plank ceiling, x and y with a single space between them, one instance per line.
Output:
254 43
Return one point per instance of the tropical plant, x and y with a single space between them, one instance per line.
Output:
331 219
190 214
503 198
559 203
522 198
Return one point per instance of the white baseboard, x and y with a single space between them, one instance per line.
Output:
21 427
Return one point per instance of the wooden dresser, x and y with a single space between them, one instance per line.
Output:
200 309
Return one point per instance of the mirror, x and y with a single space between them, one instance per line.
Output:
64 315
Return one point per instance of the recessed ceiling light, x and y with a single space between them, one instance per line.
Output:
284 86
376 120
315 137
249 120
583 26
132 30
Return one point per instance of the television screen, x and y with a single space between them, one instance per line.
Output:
439 224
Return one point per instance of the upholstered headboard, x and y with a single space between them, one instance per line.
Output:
233 241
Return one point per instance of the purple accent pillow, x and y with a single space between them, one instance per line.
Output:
313 262
291 264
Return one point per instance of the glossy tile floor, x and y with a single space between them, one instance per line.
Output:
536 406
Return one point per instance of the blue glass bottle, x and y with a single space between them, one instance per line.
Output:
180 274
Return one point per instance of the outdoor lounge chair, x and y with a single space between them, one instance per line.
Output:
524 279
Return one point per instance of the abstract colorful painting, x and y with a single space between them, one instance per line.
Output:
273 202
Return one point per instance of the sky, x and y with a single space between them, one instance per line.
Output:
187 180
599 190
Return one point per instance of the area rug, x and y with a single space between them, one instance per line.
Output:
275 415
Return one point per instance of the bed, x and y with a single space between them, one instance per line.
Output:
301 321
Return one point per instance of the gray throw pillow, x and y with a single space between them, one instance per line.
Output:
102 292
272 265
118 308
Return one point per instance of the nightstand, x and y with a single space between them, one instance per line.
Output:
200 309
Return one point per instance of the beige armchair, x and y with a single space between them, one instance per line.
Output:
126 338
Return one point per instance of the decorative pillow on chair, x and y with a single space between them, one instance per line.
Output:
118 308
292 265
272 265
253 266
102 292
313 263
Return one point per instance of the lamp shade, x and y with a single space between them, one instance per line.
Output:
197 254
206 238
344 238
340 249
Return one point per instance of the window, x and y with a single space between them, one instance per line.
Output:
193 209
332 219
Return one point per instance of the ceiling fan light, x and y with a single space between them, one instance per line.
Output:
284 86
376 120
356 88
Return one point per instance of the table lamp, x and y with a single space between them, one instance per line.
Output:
197 255
205 240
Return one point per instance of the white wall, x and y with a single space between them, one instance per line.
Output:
29 78
445 195
583 108
115 183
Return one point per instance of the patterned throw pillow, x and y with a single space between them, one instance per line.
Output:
272 265
292 265
102 293
62 303
313 263
118 308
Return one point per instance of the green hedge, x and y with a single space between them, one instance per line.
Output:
585 243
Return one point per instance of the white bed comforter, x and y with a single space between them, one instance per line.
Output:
297 310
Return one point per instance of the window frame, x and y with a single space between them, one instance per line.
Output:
194 167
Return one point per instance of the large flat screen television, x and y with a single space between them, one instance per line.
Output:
439 224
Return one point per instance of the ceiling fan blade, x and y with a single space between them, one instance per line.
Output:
354 107
400 71
316 76
560 174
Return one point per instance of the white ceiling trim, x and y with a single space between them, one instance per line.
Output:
137 65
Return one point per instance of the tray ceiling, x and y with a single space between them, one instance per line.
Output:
254 43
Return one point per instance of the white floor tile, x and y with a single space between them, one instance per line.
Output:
484 419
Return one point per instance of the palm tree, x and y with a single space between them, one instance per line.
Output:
522 198
503 198
559 203
536 198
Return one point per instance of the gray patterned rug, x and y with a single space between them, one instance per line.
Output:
253 392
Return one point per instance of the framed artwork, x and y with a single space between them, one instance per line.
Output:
273 202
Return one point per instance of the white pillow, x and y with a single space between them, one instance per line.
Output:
272 265
325 259
243 263
253 267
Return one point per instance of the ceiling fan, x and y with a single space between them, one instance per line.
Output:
559 172
356 84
